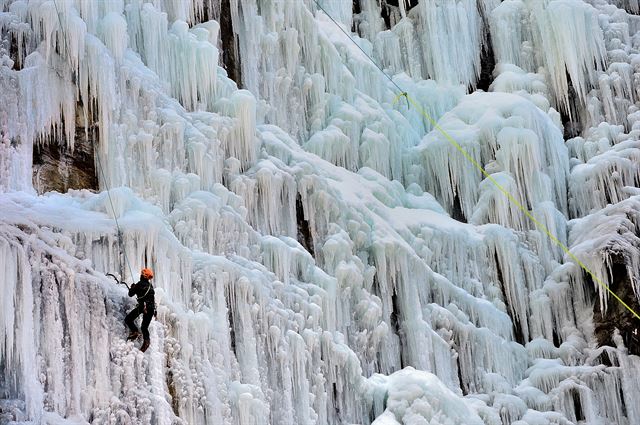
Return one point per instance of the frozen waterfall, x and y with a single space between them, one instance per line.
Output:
323 254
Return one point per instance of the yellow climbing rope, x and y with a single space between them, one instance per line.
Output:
510 197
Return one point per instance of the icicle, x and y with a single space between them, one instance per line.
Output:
114 34
490 134
521 28
299 229
448 27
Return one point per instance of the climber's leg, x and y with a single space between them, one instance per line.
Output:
146 320
130 321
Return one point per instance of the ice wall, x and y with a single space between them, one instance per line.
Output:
323 255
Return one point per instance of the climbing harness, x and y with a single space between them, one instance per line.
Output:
142 300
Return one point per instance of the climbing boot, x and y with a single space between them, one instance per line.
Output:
133 335
145 345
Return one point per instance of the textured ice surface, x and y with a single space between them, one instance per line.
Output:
322 254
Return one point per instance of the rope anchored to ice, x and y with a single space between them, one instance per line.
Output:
143 290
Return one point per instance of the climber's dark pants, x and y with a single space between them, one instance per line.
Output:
146 319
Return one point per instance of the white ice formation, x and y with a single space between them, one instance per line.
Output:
323 254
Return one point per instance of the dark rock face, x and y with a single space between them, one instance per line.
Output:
58 168
230 47
617 316
304 231
487 60
571 116
387 7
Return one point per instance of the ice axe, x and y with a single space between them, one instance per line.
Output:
118 281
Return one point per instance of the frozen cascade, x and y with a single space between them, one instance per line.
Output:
530 34
323 254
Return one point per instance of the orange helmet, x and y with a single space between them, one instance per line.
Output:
147 273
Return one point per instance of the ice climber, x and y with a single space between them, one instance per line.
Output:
146 306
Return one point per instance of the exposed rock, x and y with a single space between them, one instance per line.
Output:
58 168
230 48
616 315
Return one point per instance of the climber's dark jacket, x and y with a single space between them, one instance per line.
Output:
146 306
144 291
